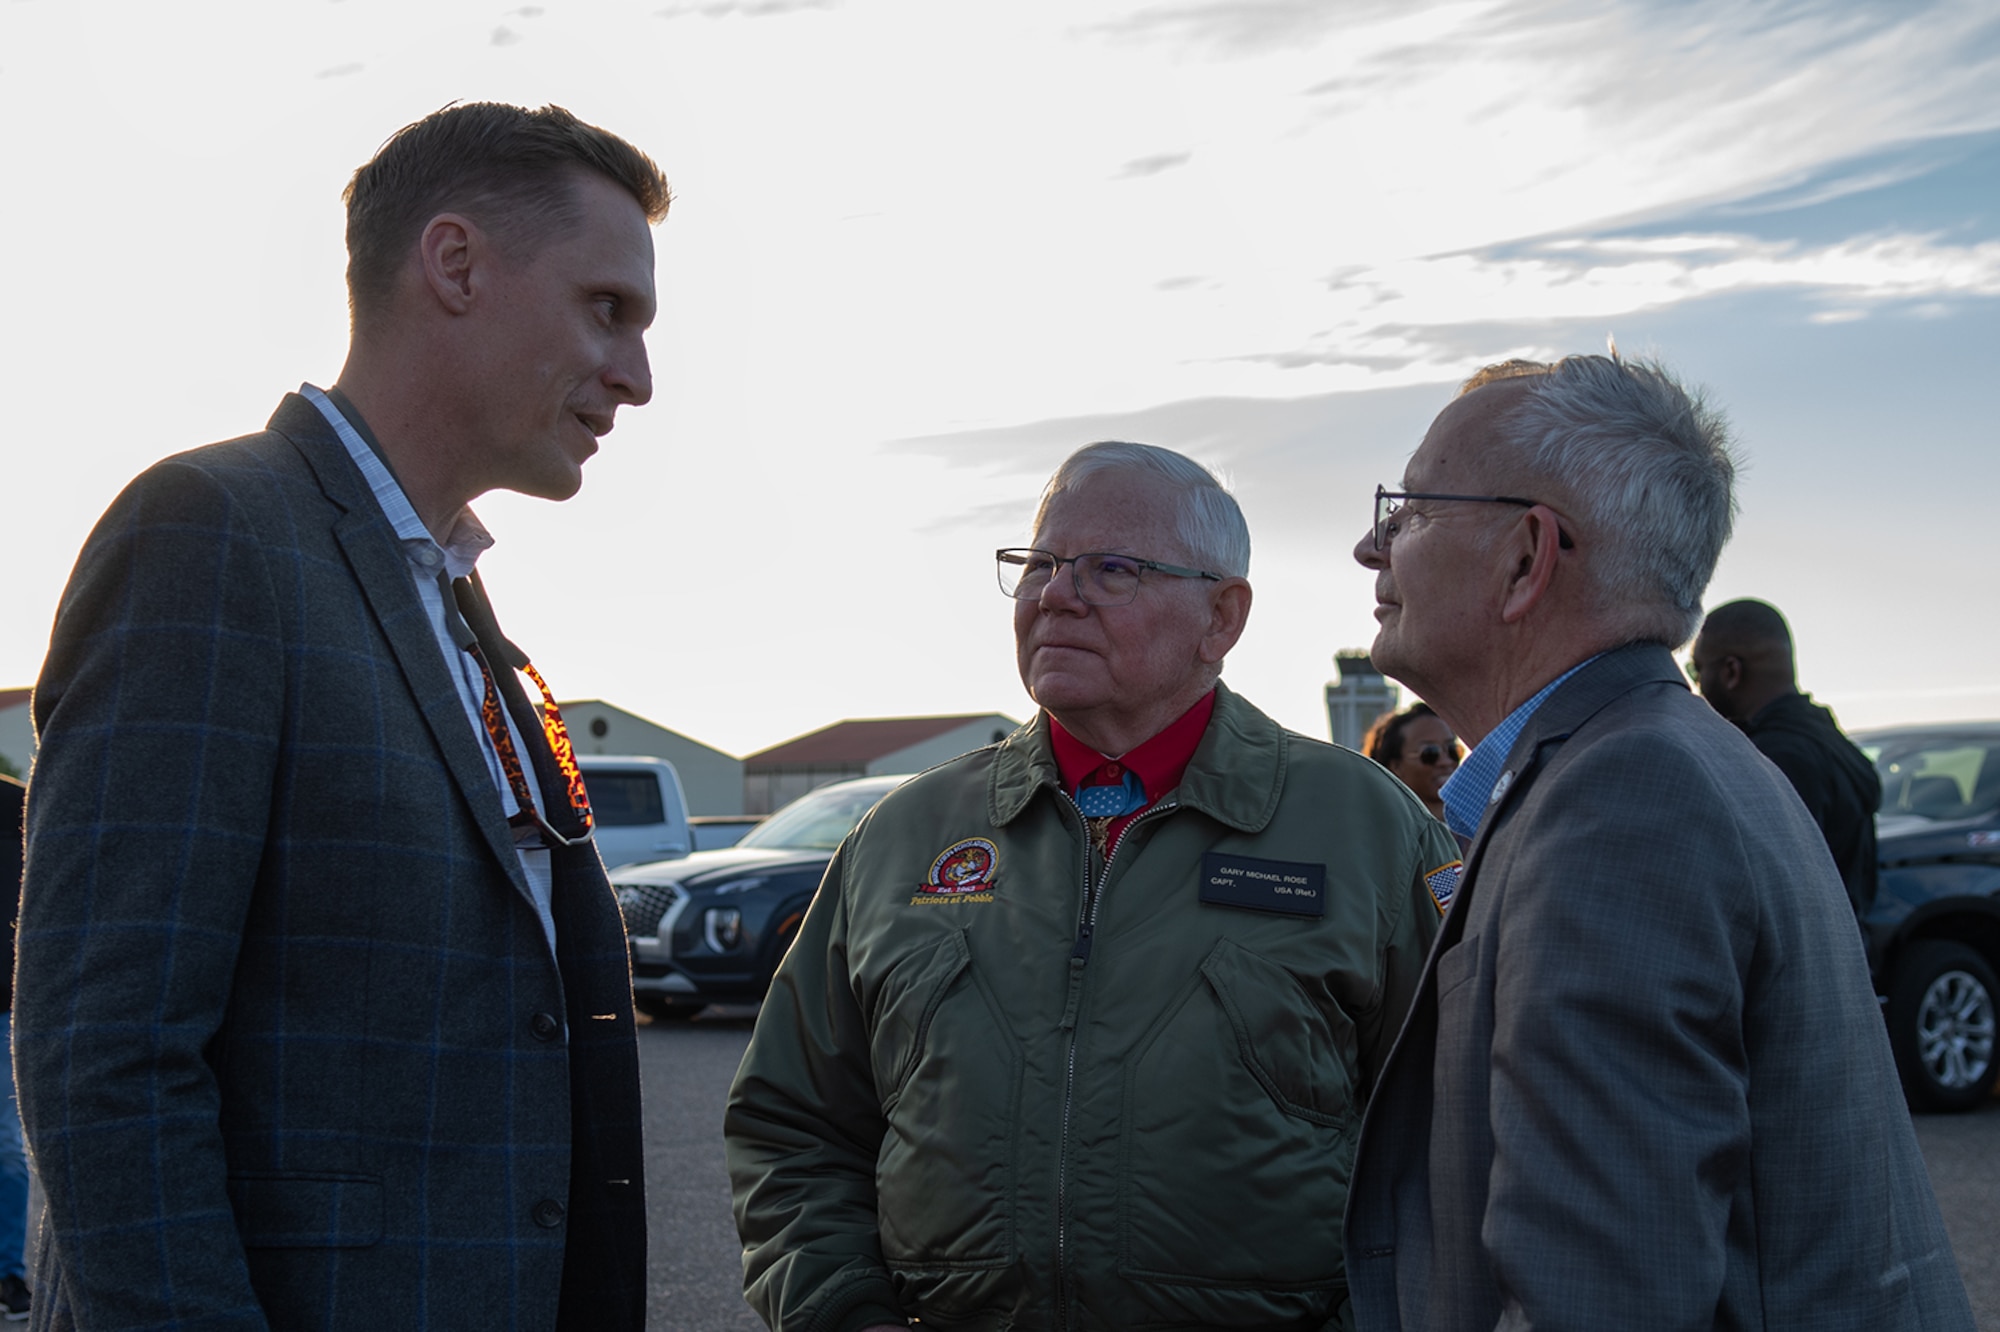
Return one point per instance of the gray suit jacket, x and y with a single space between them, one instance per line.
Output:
1645 1083
293 1048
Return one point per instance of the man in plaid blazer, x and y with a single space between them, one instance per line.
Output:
323 1013
1644 1083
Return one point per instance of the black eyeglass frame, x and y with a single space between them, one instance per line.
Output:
1382 494
1058 561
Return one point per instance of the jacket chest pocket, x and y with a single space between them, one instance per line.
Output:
1237 1145
948 1070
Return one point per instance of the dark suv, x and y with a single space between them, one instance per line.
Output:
1934 931
711 927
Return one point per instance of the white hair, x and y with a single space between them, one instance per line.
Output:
1648 469
1210 524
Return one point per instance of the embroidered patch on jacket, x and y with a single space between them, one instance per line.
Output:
962 872
1443 883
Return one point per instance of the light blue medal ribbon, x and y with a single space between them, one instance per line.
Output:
1110 802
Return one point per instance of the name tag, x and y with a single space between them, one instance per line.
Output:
1286 886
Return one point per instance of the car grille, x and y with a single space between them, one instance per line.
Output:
645 903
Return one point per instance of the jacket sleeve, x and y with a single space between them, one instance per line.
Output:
1619 1070
802 1131
158 711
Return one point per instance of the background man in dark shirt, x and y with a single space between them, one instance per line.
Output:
1743 665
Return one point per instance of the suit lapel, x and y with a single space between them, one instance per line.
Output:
379 566
1583 696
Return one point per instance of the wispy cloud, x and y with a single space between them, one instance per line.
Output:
1154 165
1404 313
742 8
1245 27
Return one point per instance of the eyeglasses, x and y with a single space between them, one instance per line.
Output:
1102 579
1432 755
1389 503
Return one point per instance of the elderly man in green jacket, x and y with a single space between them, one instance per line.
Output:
1078 1031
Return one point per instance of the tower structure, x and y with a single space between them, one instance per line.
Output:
1355 697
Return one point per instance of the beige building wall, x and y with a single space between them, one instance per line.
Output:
972 735
711 779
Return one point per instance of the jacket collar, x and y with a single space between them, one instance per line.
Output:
1610 677
1236 776
339 479
376 556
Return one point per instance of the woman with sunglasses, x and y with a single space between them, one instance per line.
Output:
1418 747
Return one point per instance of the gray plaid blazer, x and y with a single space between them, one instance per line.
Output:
1645 1083
293 1050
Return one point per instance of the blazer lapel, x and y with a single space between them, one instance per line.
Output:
1611 676
380 568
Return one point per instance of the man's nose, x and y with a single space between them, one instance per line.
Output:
630 375
1366 555
1061 591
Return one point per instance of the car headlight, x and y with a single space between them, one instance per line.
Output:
722 927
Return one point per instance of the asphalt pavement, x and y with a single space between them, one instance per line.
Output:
695 1264
1963 1153
687 1067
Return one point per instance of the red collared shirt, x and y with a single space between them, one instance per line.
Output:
1159 762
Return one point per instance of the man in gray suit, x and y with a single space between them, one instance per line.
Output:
1645 1083
323 1016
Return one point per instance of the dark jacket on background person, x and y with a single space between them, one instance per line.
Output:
965 1106
1839 786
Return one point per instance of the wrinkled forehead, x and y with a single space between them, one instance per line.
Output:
1122 510
1464 449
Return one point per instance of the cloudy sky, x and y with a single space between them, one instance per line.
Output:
922 248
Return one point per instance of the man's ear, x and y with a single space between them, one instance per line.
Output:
1532 548
446 249
1228 612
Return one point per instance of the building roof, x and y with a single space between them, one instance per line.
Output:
14 698
570 705
860 742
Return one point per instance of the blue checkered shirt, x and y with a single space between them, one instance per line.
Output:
1476 784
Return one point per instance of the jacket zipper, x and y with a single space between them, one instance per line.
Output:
1079 957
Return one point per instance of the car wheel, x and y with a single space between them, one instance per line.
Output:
1941 1010
662 1009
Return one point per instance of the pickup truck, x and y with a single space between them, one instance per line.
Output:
640 811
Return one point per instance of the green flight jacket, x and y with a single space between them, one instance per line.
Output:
986 1094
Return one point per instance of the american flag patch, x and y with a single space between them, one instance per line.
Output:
1443 882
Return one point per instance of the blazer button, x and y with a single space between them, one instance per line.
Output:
548 1213
545 1027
